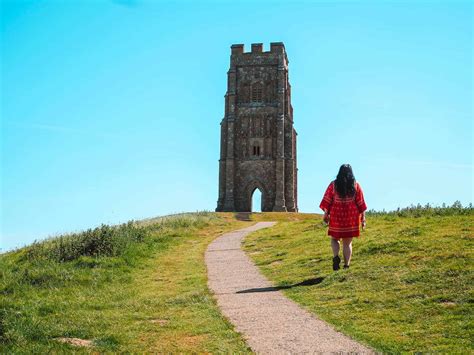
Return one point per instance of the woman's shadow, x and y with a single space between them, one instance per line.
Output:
309 282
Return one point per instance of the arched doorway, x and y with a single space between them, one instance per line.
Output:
256 201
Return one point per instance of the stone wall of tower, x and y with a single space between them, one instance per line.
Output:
258 141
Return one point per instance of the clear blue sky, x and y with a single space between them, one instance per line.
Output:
111 109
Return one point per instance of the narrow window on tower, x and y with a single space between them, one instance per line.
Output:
256 150
257 92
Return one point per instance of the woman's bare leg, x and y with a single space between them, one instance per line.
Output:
347 250
335 246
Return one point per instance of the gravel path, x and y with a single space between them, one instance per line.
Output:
269 321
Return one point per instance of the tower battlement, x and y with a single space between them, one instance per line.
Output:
256 56
275 47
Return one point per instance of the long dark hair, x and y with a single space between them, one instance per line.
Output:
345 181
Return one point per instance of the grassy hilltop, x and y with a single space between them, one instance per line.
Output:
409 287
142 286
133 288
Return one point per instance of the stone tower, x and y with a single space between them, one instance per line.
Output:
258 141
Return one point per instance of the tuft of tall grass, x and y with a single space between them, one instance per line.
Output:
186 219
419 210
109 240
101 241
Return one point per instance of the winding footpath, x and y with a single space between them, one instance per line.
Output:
270 322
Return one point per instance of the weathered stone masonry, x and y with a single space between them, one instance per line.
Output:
258 141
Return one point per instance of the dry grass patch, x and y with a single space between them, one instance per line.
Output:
75 342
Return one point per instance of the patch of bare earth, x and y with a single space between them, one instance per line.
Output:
159 321
75 342
448 304
193 340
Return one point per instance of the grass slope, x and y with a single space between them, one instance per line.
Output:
409 287
127 289
143 288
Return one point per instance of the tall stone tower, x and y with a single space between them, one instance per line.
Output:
258 141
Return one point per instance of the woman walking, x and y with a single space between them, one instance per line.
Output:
344 209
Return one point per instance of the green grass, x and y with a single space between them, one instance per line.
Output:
142 286
132 288
409 287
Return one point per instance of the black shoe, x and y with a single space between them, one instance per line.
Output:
346 266
335 263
